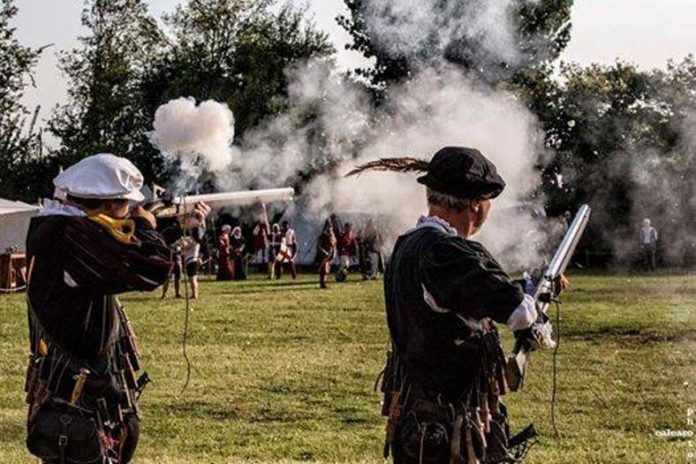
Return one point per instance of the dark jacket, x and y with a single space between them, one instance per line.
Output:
462 279
76 267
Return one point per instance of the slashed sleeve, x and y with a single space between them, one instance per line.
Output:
463 277
100 263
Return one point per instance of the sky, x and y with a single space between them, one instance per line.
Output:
645 32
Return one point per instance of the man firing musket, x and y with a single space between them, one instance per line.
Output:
81 384
444 293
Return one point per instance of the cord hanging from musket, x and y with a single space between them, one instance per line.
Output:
187 304
554 388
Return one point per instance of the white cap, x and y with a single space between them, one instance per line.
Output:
102 176
226 228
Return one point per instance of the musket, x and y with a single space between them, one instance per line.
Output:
519 359
171 205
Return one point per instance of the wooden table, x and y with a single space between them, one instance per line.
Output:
13 272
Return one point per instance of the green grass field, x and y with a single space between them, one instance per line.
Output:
284 372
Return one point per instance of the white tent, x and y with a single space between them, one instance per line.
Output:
308 226
14 223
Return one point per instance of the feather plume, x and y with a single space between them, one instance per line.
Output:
391 164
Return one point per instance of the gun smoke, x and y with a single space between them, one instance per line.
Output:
427 29
434 109
198 137
664 191
331 125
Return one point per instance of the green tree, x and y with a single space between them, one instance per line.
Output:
621 139
236 52
539 32
19 145
104 112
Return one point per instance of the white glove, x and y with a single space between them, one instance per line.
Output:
524 315
542 336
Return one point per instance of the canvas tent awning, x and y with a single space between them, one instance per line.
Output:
308 226
14 223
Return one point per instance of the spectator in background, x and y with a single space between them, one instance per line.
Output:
275 245
224 254
288 250
171 229
648 238
371 252
187 250
239 254
326 248
567 219
190 252
259 238
290 238
347 248
336 225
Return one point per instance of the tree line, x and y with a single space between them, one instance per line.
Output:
617 136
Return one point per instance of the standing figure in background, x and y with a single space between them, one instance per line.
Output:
238 246
336 225
224 254
371 252
177 231
275 245
259 238
326 248
175 256
171 230
190 251
648 240
81 381
289 250
347 248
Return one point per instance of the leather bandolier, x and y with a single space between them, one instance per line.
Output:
424 426
104 391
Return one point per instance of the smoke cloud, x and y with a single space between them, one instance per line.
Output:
663 191
198 137
421 28
331 125
435 109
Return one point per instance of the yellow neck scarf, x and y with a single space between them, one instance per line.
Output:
120 229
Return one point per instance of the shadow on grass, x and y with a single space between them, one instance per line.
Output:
195 408
628 335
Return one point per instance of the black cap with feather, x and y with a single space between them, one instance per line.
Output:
457 171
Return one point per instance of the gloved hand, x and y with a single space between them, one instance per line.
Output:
524 315
541 336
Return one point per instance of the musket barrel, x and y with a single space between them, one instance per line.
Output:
518 360
221 200
565 251
185 204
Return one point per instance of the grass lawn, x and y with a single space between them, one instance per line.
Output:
284 372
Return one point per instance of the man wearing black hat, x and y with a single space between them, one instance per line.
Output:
444 292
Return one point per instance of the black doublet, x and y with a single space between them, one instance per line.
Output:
464 280
83 357
77 267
